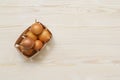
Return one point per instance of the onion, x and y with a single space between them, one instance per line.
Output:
36 28
45 36
38 45
27 43
27 52
31 35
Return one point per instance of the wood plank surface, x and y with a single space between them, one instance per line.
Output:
85 43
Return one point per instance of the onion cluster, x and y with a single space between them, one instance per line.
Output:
34 39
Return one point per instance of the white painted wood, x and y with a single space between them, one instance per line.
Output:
85 44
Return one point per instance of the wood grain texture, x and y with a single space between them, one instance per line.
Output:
85 44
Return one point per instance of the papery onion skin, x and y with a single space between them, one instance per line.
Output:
45 36
36 28
38 45
27 43
31 35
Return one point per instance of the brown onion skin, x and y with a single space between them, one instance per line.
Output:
45 36
38 45
27 43
27 52
31 35
36 28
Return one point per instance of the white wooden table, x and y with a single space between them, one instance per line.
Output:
85 44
